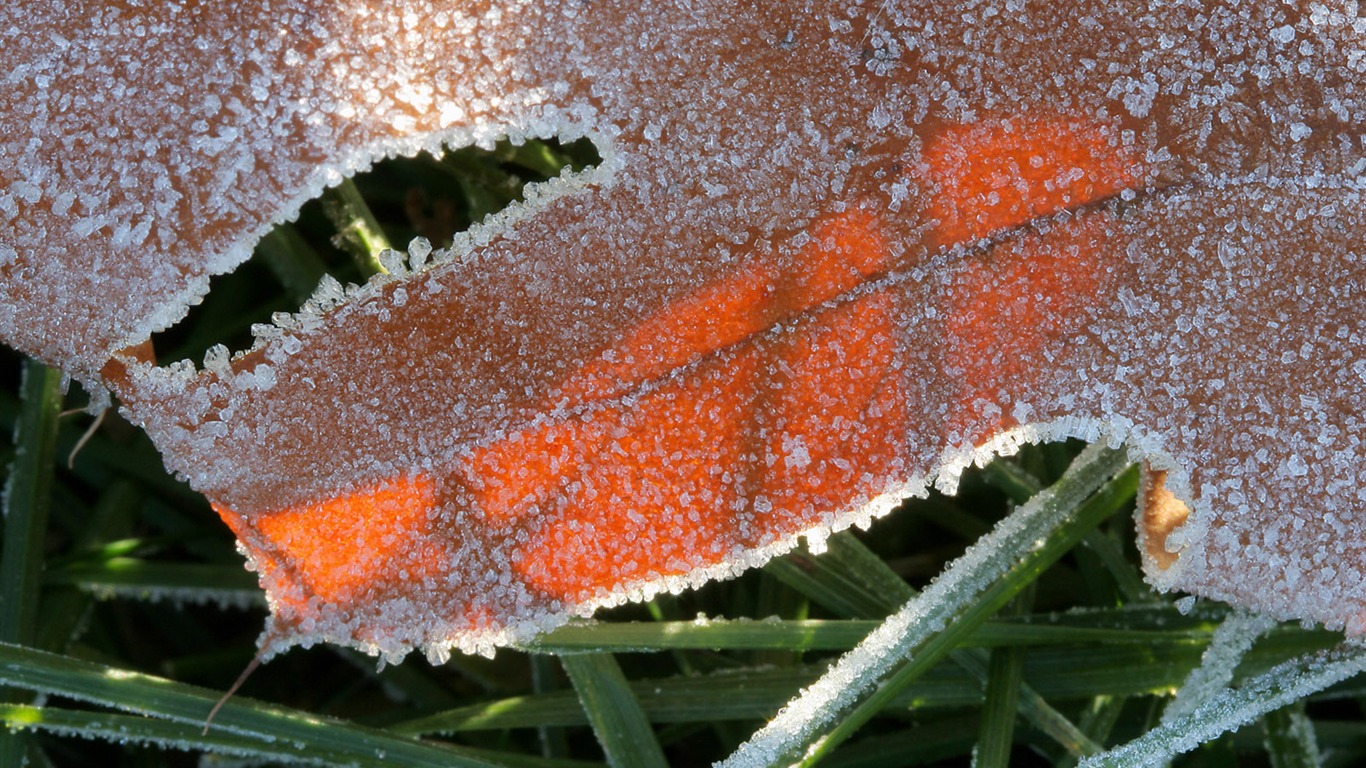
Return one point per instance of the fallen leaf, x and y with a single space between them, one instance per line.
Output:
830 257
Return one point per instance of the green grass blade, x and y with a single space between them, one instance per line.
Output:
28 495
740 634
843 634
358 231
1062 673
847 578
1109 552
293 261
245 725
622 729
997 731
1031 705
1012 480
132 729
544 679
746 694
193 583
27 499
939 743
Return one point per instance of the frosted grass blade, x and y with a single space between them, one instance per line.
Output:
259 726
1290 739
1079 516
134 730
852 580
191 583
1282 685
622 729
1230 643
956 591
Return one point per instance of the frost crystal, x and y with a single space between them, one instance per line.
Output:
829 258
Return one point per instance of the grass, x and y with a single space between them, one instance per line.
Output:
125 612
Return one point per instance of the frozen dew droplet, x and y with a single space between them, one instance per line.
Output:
393 262
418 251
216 361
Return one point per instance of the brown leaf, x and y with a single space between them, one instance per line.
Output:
828 258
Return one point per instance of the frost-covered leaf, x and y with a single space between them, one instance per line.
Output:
831 254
